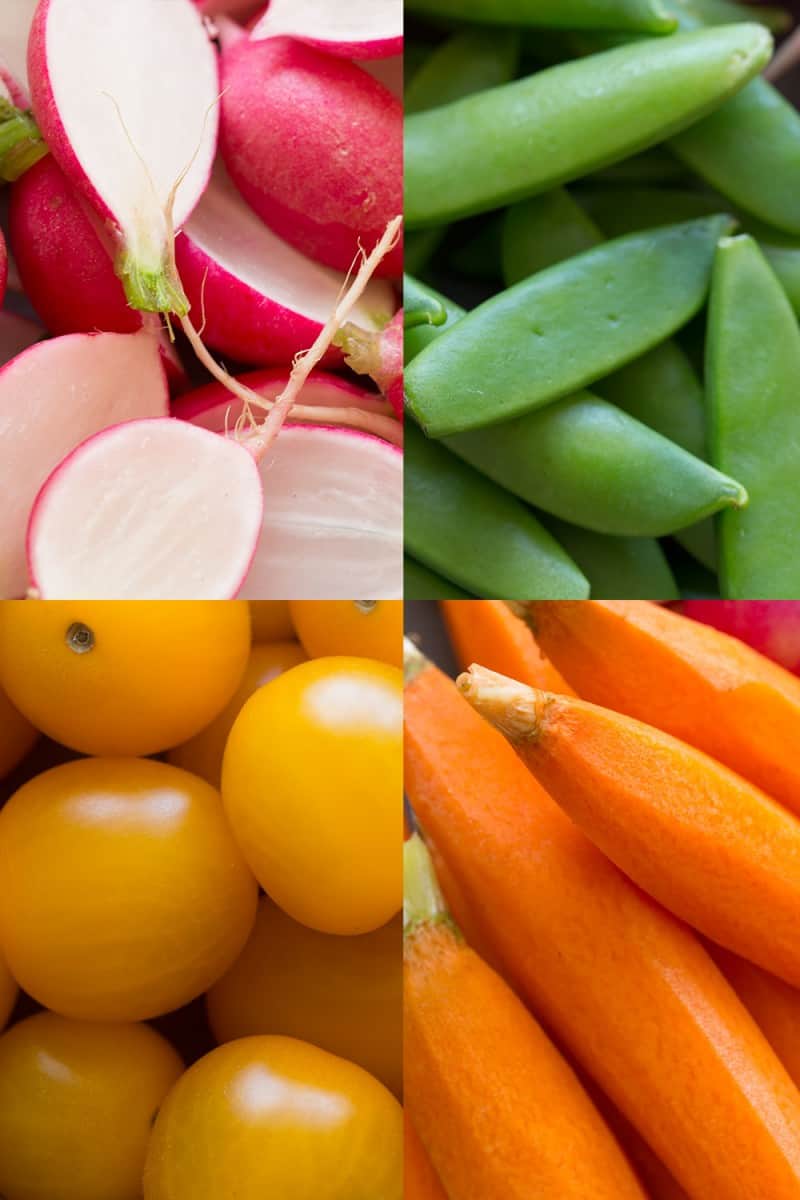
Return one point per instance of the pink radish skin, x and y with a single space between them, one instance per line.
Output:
349 28
257 298
323 389
131 118
387 71
770 626
155 509
315 146
333 514
52 397
16 335
379 355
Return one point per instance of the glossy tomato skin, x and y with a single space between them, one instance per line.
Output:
312 785
17 736
121 677
8 992
124 895
364 628
271 621
344 995
273 1117
202 754
76 1104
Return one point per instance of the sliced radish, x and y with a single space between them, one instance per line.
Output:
388 71
16 335
315 146
147 510
379 355
126 94
3 266
5 93
53 396
350 28
260 300
208 406
15 27
333 514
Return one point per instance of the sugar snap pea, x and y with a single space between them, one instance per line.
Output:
527 136
641 16
423 310
470 61
752 379
587 462
542 231
617 568
724 12
414 292
419 247
421 584
461 525
563 328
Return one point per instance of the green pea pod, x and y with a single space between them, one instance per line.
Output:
415 340
419 247
468 62
640 16
527 136
651 168
563 328
752 378
542 231
463 526
617 568
421 584
589 463
725 12
421 310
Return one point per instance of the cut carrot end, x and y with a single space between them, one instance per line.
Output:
512 707
423 901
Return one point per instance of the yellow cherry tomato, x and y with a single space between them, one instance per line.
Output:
365 628
122 677
342 994
312 785
17 736
203 754
268 1117
123 894
77 1100
8 992
271 621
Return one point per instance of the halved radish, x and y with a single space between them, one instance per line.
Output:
207 406
149 509
315 146
333 514
16 335
3 266
126 94
388 71
350 28
15 27
53 396
260 300
379 355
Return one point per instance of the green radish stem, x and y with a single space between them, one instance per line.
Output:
21 143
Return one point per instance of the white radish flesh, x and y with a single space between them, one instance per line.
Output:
125 94
260 300
147 510
52 397
16 335
350 28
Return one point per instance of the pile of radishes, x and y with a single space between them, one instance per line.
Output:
210 248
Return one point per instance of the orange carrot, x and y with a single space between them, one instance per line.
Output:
488 632
708 845
658 1182
420 1181
688 679
626 988
501 1114
774 1005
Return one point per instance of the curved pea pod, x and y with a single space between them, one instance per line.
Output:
542 231
563 328
468 62
419 583
421 309
752 376
463 526
527 136
633 568
723 12
591 464
639 16
415 292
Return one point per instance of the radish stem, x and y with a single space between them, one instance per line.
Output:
21 143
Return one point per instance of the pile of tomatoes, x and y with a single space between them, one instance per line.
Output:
200 884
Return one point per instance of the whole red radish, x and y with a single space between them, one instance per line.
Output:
770 626
315 145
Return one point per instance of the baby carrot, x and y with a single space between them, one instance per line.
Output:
708 845
487 631
688 679
420 1181
774 1005
500 1112
627 989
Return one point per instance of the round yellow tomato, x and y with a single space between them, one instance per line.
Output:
8 992
273 1117
122 677
342 994
124 895
312 785
203 754
365 628
17 736
271 621
77 1100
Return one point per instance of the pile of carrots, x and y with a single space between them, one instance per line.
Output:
602 948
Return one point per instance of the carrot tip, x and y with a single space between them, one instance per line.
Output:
511 707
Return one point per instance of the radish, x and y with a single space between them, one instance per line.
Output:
261 300
53 396
213 407
16 335
378 355
15 27
314 145
770 626
125 94
350 28
3 266
388 71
